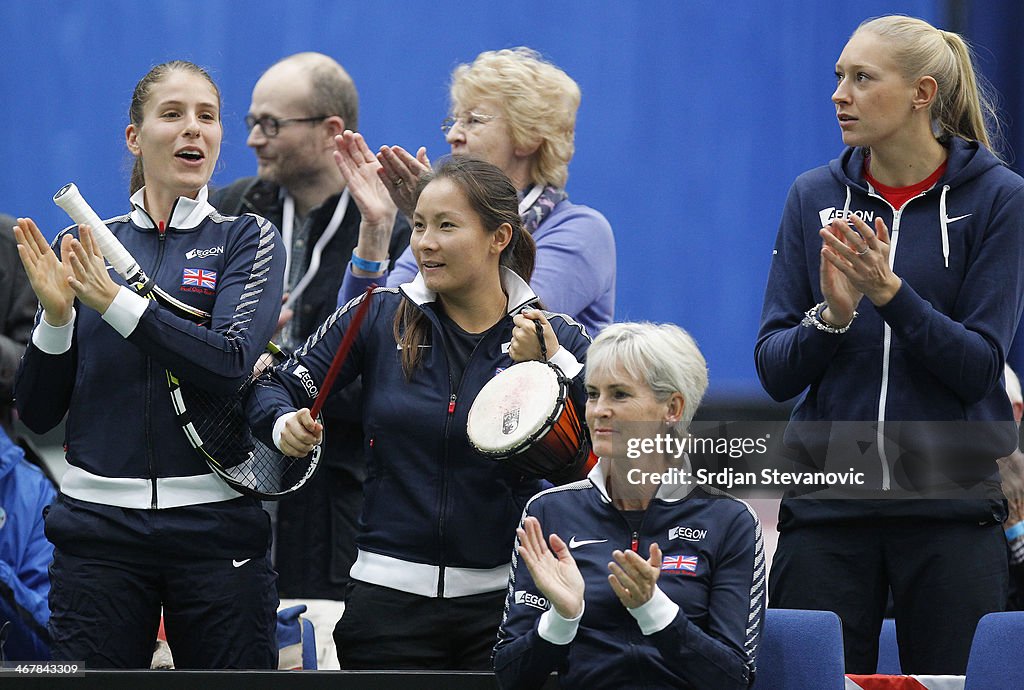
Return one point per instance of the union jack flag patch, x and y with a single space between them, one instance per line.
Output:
199 277
683 564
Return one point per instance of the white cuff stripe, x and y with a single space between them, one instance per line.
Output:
557 630
54 340
656 614
124 312
567 362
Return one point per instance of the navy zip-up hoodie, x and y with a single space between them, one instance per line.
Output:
438 519
700 629
924 370
123 440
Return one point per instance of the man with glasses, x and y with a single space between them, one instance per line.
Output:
298 106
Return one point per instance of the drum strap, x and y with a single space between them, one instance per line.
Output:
543 345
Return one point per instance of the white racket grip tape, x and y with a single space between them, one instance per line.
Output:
70 199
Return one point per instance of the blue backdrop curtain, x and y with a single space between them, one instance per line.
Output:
995 28
696 115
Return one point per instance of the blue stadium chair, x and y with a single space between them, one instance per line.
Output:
888 650
995 662
296 640
800 650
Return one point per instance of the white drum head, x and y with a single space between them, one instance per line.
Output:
512 407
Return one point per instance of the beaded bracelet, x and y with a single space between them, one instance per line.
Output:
812 317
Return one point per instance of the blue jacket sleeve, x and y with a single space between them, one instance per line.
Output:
575 262
220 356
724 656
790 357
573 337
43 387
24 576
295 383
966 350
522 658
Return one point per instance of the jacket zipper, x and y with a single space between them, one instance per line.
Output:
161 235
444 488
634 535
444 465
894 236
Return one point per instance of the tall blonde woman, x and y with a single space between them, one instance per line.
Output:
892 324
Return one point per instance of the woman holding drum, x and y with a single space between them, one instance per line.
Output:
438 520
646 582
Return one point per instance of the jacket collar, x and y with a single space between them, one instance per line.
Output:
518 290
966 160
666 492
186 215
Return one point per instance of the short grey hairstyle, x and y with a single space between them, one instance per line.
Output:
664 356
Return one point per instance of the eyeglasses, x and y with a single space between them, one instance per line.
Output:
470 120
271 125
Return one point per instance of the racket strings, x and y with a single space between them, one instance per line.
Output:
220 425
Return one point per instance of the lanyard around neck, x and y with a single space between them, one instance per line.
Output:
287 227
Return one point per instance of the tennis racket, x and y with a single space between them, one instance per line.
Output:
216 425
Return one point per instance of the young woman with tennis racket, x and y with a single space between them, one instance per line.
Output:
438 519
142 523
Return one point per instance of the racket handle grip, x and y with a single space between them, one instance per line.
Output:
70 199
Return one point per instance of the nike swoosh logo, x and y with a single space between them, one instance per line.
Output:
239 564
953 220
574 544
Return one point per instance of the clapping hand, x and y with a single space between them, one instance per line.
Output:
400 172
359 167
554 570
634 579
855 262
46 273
89 276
